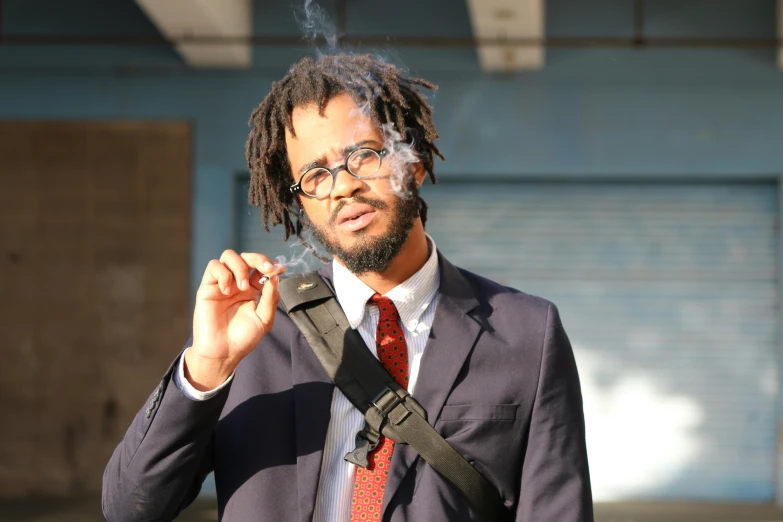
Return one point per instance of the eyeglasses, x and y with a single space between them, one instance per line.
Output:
318 182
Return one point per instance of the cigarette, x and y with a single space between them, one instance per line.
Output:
266 277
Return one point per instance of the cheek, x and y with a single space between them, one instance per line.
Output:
316 212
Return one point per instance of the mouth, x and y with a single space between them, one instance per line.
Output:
355 217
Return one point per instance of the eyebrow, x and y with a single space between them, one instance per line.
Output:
346 150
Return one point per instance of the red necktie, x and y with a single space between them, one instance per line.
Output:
392 351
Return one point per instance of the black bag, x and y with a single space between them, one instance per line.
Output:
387 407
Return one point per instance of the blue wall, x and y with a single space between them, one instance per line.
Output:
588 113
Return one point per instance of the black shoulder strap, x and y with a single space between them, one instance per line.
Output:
387 406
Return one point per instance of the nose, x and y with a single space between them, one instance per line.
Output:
345 185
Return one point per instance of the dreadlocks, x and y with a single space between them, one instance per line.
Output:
389 96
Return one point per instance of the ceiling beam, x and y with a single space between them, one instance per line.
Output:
181 20
513 20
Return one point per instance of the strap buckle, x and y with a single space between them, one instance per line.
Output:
366 441
387 408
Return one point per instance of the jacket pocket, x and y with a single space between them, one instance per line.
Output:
479 412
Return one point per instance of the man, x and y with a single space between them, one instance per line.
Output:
248 398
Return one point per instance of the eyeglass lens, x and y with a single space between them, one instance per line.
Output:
361 163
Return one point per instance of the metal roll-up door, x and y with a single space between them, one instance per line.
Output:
669 294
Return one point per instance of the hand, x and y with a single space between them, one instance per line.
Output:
227 323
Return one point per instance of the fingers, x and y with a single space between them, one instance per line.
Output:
239 271
217 273
267 305
238 267
264 268
265 278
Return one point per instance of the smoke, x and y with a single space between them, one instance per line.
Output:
400 154
314 21
399 158
304 254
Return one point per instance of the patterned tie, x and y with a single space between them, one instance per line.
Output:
392 351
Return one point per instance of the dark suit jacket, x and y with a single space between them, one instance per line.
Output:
497 379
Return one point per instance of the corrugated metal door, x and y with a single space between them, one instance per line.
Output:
670 296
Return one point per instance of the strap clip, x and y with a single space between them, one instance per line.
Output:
385 409
367 440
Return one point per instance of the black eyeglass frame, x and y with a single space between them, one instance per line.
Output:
297 187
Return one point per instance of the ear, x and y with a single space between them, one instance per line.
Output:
302 221
419 173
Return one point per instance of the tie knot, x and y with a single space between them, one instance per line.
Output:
385 306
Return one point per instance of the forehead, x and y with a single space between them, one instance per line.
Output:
342 123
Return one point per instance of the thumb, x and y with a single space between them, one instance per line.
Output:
267 305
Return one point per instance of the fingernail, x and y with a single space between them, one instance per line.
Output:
243 284
268 266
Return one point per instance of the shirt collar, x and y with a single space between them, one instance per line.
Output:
411 297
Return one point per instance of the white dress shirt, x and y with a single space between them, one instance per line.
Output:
416 300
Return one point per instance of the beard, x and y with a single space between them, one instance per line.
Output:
371 253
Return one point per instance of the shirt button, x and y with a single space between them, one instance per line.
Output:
412 325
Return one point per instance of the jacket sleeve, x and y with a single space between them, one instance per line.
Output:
157 469
555 485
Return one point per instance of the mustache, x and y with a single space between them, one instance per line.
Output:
374 203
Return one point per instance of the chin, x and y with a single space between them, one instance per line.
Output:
369 249
353 240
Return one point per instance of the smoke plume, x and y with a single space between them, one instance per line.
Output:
314 21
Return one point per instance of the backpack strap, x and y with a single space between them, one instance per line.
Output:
387 407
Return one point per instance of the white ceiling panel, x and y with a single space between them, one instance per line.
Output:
178 19
508 19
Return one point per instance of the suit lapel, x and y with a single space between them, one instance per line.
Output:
312 411
452 337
